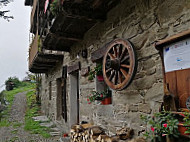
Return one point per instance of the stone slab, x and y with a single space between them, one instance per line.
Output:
40 118
47 124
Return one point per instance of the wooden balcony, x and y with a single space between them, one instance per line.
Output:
74 21
33 17
41 60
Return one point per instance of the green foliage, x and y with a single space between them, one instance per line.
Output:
99 96
96 71
9 96
161 124
186 120
15 131
55 7
14 82
16 138
16 125
4 123
2 13
32 111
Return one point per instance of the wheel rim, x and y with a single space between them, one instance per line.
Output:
119 64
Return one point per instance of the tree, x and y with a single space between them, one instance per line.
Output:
3 12
12 82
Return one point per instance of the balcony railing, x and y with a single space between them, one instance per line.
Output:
33 50
35 2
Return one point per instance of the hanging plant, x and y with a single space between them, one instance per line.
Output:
55 7
99 96
97 71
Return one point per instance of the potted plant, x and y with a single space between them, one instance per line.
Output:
97 71
163 126
103 97
184 126
107 98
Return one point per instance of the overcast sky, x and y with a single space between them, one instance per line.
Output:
14 41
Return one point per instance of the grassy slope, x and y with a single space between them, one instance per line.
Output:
32 110
9 96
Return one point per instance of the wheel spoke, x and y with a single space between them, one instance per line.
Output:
112 75
119 77
125 66
115 50
120 51
122 54
125 58
124 73
111 56
108 70
116 77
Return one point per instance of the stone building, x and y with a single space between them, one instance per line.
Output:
71 37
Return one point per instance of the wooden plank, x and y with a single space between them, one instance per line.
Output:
171 81
52 52
33 70
98 54
74 67
183 86
174 38
43 65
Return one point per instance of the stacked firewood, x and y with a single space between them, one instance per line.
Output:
89 133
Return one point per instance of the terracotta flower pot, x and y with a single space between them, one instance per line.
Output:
106 101
100 78
182 129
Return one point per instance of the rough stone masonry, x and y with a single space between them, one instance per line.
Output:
143 22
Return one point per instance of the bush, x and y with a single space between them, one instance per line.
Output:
14 82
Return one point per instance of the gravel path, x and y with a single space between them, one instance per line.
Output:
18 134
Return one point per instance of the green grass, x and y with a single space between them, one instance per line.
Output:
32 110
4 123
16 125
14 139
15 131
9 96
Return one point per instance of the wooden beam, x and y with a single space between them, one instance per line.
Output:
75 67
37 70
98 54
53 58
44 64
45 60
85 10
174 38
52 52
69 35
39 67
64 37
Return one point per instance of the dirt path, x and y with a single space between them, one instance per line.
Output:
18 134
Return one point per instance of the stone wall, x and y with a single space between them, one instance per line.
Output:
143 22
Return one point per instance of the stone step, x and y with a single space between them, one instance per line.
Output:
55 129
41 118
64 139
47 124
55 134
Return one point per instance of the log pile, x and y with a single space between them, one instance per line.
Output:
89 133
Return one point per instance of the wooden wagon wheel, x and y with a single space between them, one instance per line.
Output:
119 64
